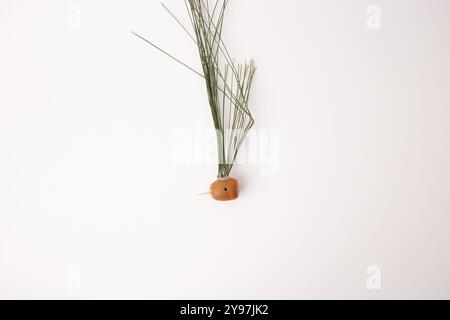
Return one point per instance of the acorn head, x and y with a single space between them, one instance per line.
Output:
225 189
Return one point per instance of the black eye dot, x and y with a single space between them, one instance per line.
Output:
226 189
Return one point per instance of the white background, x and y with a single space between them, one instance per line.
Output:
92 204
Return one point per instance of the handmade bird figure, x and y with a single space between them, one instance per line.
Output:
228 86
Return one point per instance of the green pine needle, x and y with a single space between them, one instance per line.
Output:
228 84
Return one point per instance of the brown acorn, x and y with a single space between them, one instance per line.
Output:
225 189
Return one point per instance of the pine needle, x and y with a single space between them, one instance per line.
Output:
228 84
